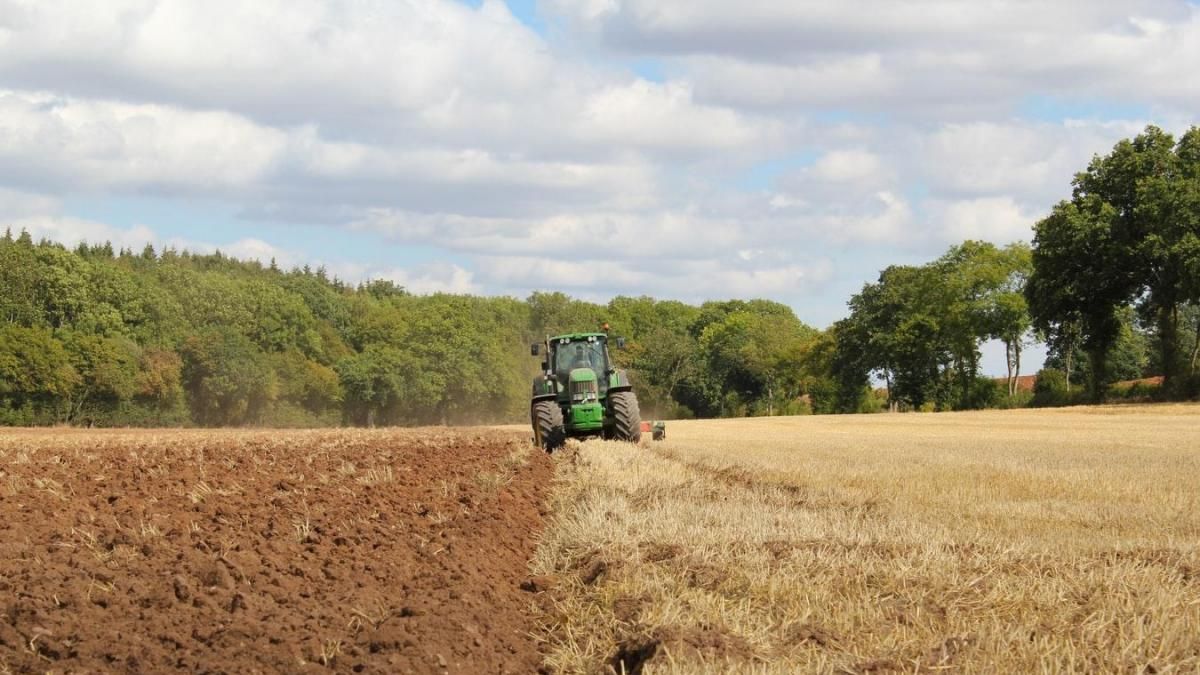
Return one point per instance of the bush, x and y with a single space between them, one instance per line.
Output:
1021 399
985 393
1138 391
1184 387
288 415
875 401
1050 390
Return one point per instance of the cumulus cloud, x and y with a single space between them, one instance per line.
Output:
420 279
694 280
418 73
17 204
72 143
780 148
1033 160
590 237
848 166
915 55
999 220
73 231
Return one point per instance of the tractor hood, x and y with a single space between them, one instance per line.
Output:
583 375
584 386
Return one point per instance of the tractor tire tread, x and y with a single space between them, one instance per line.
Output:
627 423
548 425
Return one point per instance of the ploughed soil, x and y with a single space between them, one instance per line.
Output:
268 551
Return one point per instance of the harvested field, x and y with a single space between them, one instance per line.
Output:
230 551
1026 541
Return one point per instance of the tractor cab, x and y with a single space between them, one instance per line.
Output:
574 352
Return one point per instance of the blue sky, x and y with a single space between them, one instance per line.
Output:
688 149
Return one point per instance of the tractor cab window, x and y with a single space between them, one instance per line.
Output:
580 355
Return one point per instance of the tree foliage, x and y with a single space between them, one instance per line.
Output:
918 329
1129 235
97 336
1111 285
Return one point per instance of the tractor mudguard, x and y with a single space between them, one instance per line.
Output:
543 388
619 381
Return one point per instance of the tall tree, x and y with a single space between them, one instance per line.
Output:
1081 278
1152 186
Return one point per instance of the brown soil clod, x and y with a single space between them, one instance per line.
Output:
628 609
632 656
779 549
710 642
656 552
706 577
593 567
539 584
808 633
944 653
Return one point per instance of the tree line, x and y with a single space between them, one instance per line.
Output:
1111 283
93 335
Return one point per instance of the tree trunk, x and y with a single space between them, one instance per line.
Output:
967 368
1017 365
1099 358
1195 351
1070 364
1008 361
893 406
1168 337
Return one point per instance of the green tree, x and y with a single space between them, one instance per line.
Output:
1081 278
18 282
374 384
107 369
35 373
1141 204
226 378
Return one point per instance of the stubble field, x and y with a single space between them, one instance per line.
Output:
1032 541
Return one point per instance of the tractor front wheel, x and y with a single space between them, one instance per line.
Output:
548 431
627 419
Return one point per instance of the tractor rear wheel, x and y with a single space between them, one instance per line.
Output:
548 431
627 419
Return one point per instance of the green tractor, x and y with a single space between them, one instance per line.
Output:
580 393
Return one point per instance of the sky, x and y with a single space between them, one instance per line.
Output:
686 149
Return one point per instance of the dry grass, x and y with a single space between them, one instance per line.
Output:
1027 541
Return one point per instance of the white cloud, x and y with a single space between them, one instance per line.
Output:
695 280
843 166
17 204
419 73
890 222
1034 161
543 162
824 81
996 219
590 237
112 144
72 231
663 116
431 278
915 56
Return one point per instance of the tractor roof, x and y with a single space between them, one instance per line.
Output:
578 336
